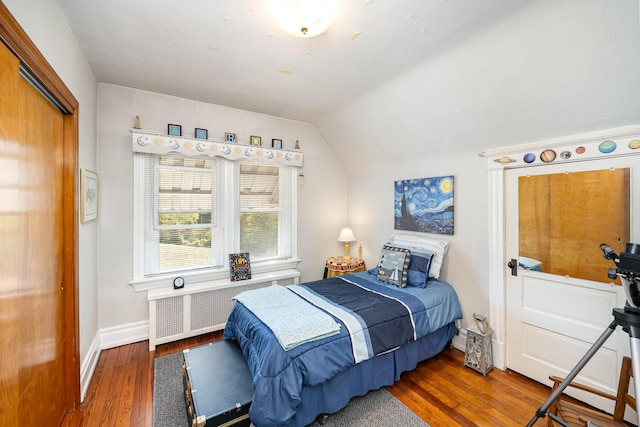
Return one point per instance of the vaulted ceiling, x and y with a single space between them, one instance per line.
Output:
231 52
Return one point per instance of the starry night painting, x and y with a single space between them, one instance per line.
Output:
424 205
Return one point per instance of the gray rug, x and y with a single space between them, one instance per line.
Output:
376 409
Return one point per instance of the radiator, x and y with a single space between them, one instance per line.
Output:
202 308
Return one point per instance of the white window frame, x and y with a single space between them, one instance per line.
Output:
229 216
287 178
216 217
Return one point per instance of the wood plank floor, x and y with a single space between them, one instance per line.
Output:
440 390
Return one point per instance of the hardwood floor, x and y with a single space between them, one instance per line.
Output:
440 390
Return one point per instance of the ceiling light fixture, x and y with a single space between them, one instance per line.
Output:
303 18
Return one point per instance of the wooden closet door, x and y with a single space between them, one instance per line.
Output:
32 386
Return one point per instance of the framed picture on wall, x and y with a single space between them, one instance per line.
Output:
174 130
230 137
255 140
201 133
88 195
424 205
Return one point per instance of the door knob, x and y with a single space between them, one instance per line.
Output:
513 265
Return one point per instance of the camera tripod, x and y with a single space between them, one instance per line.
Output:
629 319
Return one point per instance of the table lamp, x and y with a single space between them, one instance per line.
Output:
346 236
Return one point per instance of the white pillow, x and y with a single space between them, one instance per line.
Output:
438 247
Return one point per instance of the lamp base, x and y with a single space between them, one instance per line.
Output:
346 250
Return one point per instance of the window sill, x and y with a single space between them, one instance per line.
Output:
218 278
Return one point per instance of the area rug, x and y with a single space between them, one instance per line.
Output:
376 409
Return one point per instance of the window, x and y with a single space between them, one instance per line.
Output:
192 212
259 209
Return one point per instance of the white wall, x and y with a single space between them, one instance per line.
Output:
555 68
47 27
321 207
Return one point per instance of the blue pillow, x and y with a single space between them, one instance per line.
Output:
419 266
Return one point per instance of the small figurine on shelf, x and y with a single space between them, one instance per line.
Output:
297 145
137 123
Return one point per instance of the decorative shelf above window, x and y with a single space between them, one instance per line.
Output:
615 142
156 143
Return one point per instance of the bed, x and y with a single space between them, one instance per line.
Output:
383 330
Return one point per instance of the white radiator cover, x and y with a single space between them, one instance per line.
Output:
202 307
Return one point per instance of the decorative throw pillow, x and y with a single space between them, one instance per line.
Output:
419 266
393 265
419 243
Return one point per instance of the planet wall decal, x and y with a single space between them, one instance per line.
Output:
565 155
529 158
607 147
504 160
548 156
580 150
634 144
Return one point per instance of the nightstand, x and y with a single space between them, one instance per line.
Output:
338 266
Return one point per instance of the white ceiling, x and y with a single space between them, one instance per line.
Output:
231 52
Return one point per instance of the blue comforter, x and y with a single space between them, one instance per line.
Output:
376 322
279 376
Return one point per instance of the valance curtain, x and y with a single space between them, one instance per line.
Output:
145 142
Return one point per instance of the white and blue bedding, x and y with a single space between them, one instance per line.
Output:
376 322
292 320
374 319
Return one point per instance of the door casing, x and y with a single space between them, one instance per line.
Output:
497 269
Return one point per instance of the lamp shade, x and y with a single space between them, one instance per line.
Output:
303 18
346 235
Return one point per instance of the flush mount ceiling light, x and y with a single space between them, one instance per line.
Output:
303 18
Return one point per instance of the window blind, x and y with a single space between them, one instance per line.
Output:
180 217
259 209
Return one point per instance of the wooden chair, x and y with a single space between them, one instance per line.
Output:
578 415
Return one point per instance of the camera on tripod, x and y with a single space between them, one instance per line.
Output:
628 269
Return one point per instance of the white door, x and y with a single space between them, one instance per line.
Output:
552 320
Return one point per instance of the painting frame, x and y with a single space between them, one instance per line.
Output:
255 140
88 195
276 143
200 133
425 205
230 137
174 130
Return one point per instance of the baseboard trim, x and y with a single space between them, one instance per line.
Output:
460 342
109 338
124 334
89 366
